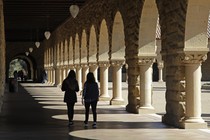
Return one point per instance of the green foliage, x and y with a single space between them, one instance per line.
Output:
16 65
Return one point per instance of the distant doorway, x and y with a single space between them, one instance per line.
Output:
20 69
155 75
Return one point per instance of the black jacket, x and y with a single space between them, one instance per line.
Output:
90 92
70 86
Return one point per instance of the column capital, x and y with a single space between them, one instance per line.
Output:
160 64
65 63
146 60
77 66
61 67
84 65
103 63
51 64
93 64
65 66
71 66
51 67
117 62
193 58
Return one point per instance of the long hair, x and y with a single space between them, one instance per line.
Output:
90 78
72 74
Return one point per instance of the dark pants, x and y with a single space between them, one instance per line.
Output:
87 108
70 111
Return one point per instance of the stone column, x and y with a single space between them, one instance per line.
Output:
93 67
50 76
67 71
2 55
160 68
60 75
146 85
53 76
84 74
117 83
79 76
104 94
57 76
64 73
193 117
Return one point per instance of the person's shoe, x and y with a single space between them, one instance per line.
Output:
86 124
94 125
70 124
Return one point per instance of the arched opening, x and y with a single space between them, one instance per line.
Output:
25 68
118 42
155 73
21 68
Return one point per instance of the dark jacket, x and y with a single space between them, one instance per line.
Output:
90 92
70 86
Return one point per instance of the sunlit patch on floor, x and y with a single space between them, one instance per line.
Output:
52 102
60 107
77 117
112 118
50 96
49 99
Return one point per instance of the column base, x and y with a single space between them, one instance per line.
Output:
131 108
80 92
117 102
194 123
188 125
59 86
52 84
104 98
146 110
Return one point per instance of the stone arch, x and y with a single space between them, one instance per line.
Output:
92 46
206 65
147 29
147 52
60 53
192 56
65 52
103 42
118 36
71 59
172 41
198 16
57 53
31 66
62 44
77 50
84 48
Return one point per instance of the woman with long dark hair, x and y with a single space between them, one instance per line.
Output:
70 86
90 96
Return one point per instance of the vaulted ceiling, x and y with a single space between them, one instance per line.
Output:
27 20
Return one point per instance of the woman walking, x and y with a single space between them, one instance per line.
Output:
70 86
90 96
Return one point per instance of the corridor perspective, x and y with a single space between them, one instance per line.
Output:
37 112
150 59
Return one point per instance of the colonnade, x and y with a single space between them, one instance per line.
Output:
81 72
125 34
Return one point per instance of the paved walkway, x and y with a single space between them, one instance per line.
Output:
37 112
